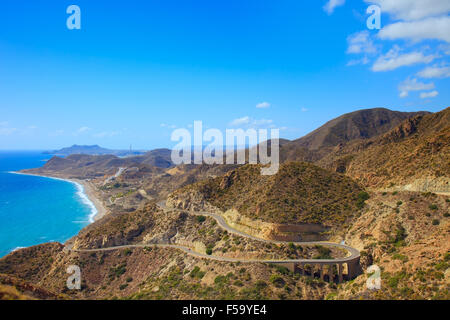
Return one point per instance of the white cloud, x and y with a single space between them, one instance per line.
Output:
360 42
262 123
332 4
430 94
413 9
82 130
445 48
393 60
247 122
413 85
263 105
56 133
431 28
106 134
170 126
5 131
240 121
434 72
304 110
363 60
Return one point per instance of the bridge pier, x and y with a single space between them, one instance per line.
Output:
353 268
341 277
321 266
330 273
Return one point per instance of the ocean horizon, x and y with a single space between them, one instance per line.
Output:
35 209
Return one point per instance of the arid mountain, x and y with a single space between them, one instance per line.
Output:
298 193
358 125
92 150
361 124
414 155
91 166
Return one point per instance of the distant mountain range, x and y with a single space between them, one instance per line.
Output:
93 150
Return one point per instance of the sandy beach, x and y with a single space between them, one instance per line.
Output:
92 194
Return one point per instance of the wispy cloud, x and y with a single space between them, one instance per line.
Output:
413 85
360 42
56 133
394 59
332 4
5 129
165 125
430 94
431 28
247 122
107 134
434 72
240 121
413 9
263 105
82 130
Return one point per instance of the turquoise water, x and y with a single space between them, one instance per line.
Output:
35 210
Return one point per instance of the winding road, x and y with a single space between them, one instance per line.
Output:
354 254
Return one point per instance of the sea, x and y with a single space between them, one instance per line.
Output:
33 209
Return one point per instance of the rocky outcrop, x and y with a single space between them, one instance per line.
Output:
191 201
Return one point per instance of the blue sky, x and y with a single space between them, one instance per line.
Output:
136 70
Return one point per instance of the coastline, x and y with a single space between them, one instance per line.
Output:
86 192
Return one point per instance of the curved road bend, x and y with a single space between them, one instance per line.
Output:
354 253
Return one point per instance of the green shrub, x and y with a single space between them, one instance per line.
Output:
433 207
200 219
362 197
260 284
399 203
238 283
197 273
277 281
435 222
281 269
398 256
123 286
221 280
